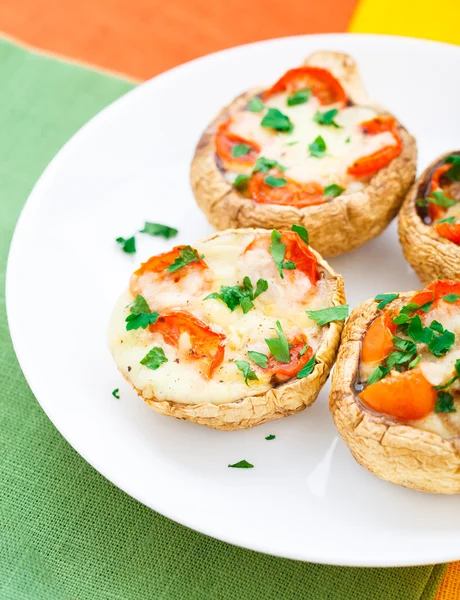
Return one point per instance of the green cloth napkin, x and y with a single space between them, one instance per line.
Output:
66 532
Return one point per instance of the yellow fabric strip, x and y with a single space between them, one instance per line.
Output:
415 18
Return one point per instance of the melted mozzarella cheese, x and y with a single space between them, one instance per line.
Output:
180 379
343 145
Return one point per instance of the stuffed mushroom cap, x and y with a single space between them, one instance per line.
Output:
406 429
219 333
429 220
343 211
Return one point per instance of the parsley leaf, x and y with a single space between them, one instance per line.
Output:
241 181
333 190
243 464
127 245
418 333
304 349
299 97
377 374
451 297
454 378
449 220
454 172
301 232
275 119
440 199
385 299
275 181
240 150
415 362
327 118
116 394
255 104
323 316
240 295
442 343
348 140
279 346
140 314
278 251
158 229
154 358
260 359
270 437
317 148
186 256
445 403
245 368
307 368
265 164
404 345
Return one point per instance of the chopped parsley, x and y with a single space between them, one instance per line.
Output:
265 164
307 368
323 316
445 403
451 298
186 256
270 437
260 359
299 97
248 373
275 119
255 104
449 220
301 232
279 346
377 374
454 172
275 182
415 362
158 229
348 140
438 198
241 181
454 378
243 464
304 349
240 295
140 314
154 358
116 394
333 190
327 118
278 251
385 299
128 245
317 148
240 150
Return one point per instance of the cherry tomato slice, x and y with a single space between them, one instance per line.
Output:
284 371
450 231
321 82
160 262
406 395
206 345
378 341
368 165
292 194
226 141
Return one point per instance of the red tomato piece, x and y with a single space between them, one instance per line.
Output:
206 345
292 194
450 231
321 82
368 165
406 395
378 341
435 291
226 141
284 371
298 252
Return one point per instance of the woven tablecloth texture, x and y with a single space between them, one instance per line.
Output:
66 532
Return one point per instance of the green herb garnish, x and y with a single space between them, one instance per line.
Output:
128 245
255 104
333 190
385 299
307 368
449 220
140 314
377 374
275 119
444 403
278 251
240 150
265 164
241 181
243 464
275 182
279 346
270 437
415 362
440 199
154 358
454 172
327 118
240 295
348 140
323 316
158 229
451 298
248 373
299 97
260 359
301 232
186 256
454 378
318 148
116 394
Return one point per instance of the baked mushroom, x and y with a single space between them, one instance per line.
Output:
314 150
395 395
240 329
429 221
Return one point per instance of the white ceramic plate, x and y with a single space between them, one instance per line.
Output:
306 498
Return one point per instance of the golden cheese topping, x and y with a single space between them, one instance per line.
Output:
227 259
